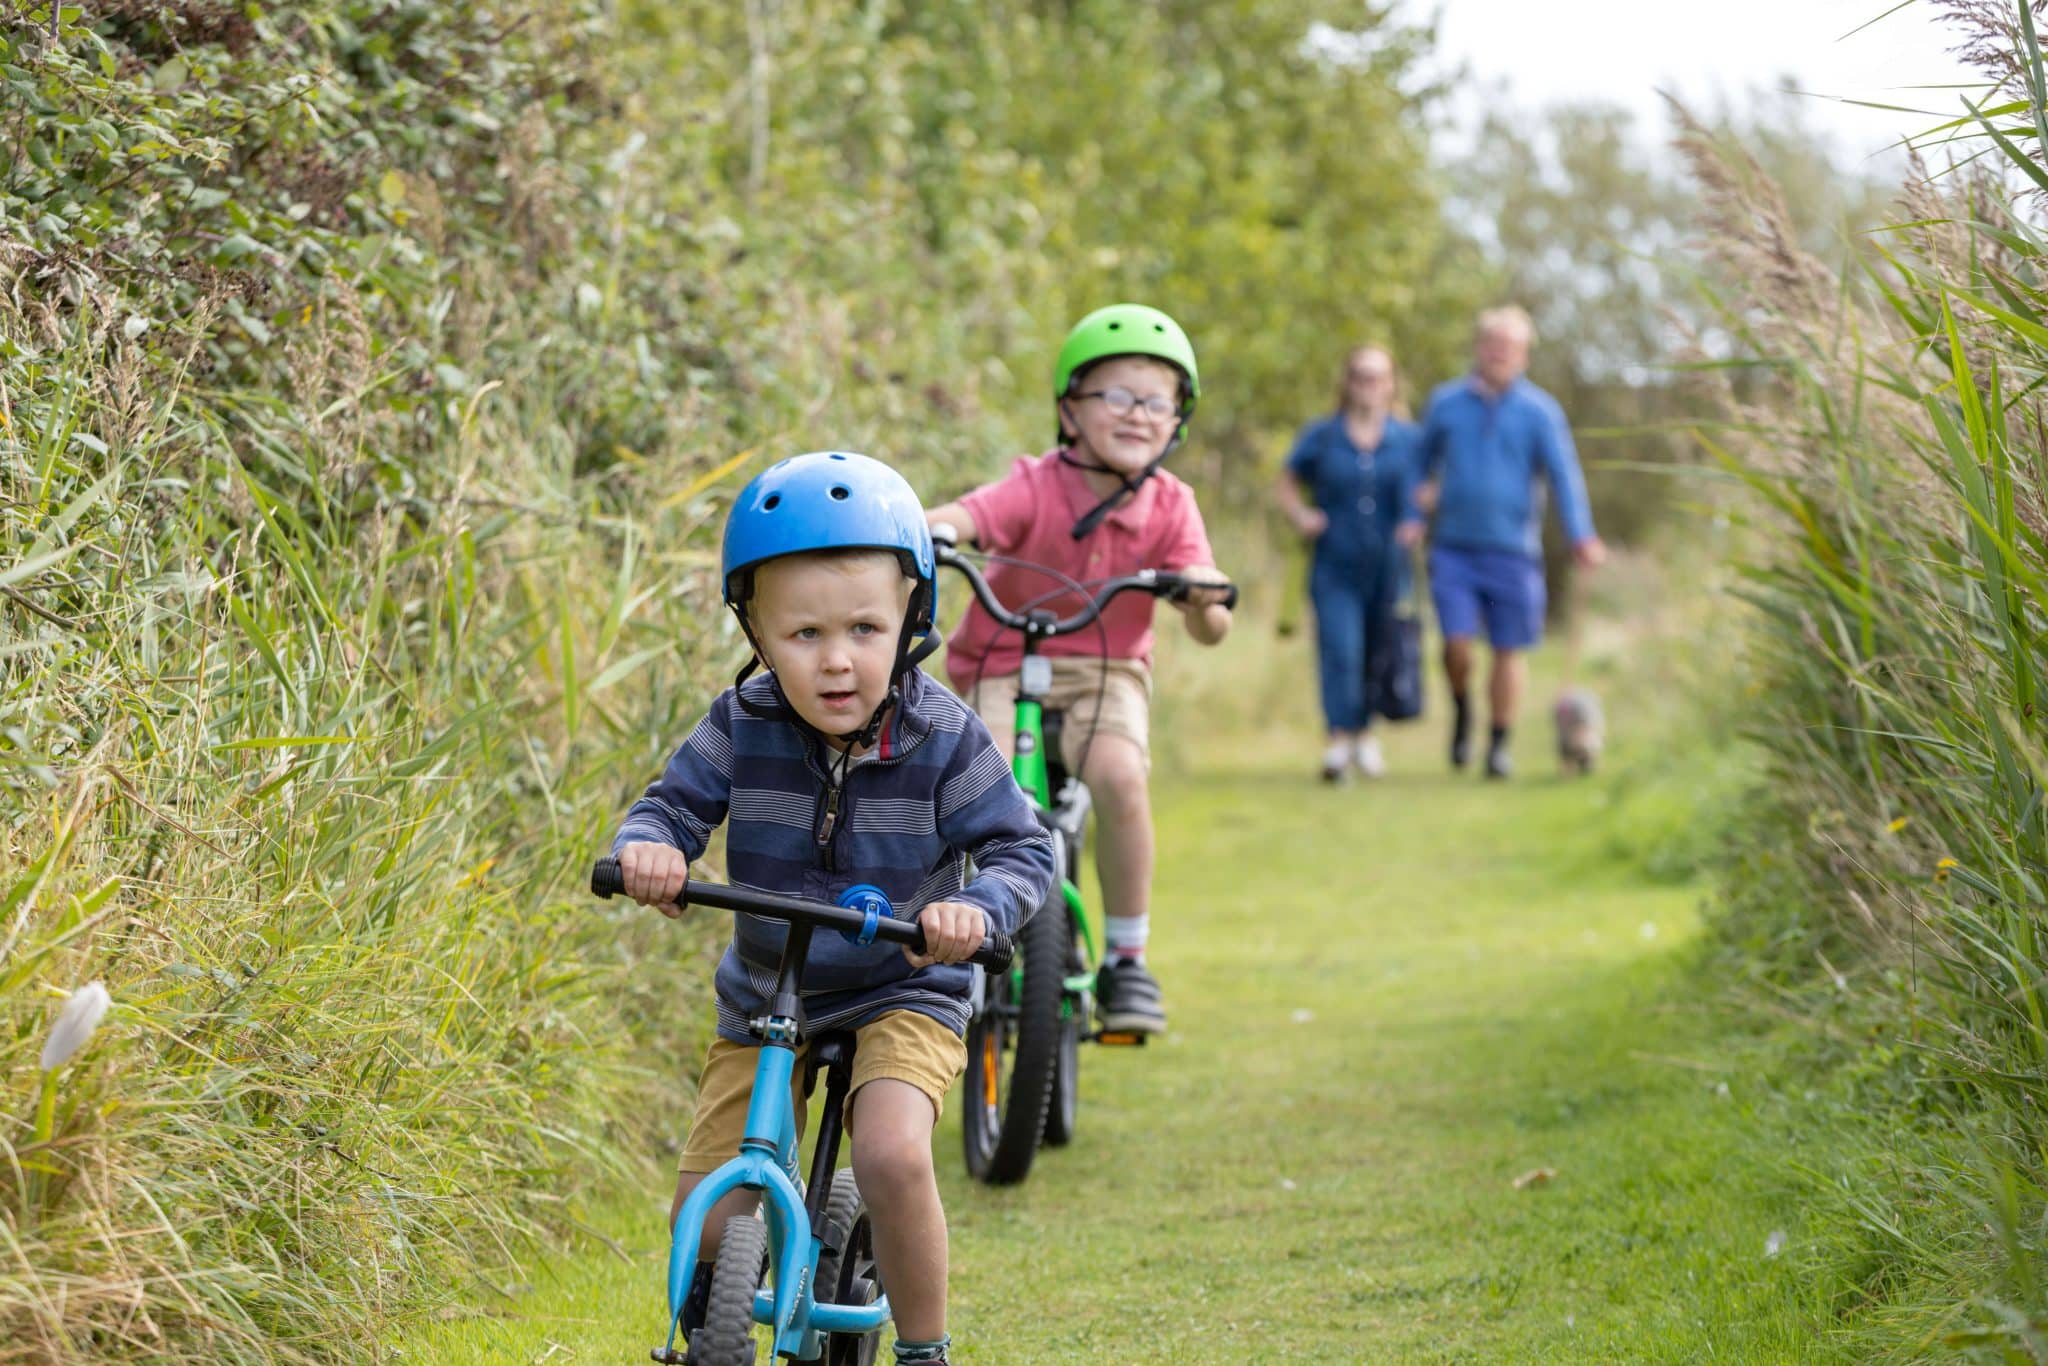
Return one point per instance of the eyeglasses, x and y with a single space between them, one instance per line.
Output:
1121 401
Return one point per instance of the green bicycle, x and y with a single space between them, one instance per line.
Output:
1026 1026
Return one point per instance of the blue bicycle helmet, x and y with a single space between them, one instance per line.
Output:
830 500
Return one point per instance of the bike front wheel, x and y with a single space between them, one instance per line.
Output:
727 1337
1013 1051
1062 1110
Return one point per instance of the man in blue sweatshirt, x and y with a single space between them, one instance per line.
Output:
1490 442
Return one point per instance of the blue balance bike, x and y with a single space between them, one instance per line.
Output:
806 1269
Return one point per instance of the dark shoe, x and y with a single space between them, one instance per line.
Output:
1498 764
1127 998
1461 738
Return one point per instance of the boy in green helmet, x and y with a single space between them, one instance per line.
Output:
1098 505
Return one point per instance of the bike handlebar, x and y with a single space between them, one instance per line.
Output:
1160 583
607 881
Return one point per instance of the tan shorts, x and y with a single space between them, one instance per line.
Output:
1099 696
901 1045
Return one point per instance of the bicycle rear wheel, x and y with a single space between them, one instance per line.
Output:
847 1273
1013 1050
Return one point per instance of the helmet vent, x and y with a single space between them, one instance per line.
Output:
1116 327
841 493
770 503
837 456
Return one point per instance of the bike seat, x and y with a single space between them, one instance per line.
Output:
826 1051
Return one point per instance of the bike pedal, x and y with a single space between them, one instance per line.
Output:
1122 1039
668 1356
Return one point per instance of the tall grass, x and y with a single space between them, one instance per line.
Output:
311 797
351 582
1894 434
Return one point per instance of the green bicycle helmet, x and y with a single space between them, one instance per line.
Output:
1126 330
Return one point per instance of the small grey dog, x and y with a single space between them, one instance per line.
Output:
1581 730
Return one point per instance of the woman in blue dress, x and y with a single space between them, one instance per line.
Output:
1346 484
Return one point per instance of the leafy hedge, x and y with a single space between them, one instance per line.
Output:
321 674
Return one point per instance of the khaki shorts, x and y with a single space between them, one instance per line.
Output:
901 1045
1098 696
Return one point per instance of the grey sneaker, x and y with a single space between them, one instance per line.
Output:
1127 998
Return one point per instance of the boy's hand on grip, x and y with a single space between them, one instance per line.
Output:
1199 594
655 875
953 930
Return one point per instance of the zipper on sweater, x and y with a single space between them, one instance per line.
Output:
828 822
834 809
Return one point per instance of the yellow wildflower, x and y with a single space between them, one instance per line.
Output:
1941 869
1898 824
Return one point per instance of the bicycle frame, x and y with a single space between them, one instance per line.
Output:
768 1153
767 1163
1033 772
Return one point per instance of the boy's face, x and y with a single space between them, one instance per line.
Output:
1130 441
828 628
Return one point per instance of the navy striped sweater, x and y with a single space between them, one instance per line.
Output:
936 792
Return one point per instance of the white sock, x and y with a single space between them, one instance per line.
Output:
1127 934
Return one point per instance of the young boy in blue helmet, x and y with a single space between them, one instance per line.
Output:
843 763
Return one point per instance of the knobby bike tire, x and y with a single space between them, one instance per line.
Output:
1062 1108
1004 1157
727 1337
847 1273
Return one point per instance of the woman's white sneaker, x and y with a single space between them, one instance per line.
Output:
1337 761
1371 762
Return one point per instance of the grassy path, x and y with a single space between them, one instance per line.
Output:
1388 1002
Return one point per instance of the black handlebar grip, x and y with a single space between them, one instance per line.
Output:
605 878
1180 590
995 955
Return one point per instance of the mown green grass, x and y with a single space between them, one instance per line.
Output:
1388 1003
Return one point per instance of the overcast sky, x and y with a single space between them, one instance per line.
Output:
1626 50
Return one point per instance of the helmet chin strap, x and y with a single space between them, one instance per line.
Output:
1095 516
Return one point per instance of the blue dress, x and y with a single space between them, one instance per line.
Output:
1357 572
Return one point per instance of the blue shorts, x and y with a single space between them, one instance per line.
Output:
1505 585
